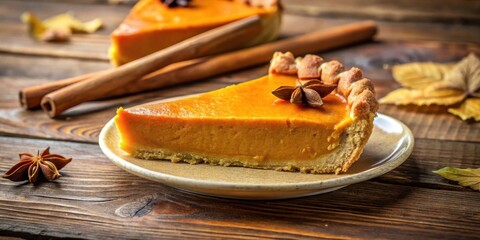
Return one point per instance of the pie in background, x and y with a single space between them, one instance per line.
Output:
151 25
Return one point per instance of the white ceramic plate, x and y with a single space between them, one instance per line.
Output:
389 146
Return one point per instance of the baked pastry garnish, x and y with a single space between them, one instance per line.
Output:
156 24
358 91
246 125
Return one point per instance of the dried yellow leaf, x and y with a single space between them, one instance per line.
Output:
420 75
405 96
66 20
468 177
469 109
58 28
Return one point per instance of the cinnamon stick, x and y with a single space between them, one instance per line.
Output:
210 66
30 97
98 86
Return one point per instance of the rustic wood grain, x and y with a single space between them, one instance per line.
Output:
390 31
96 200
429 155
434 122
447 11
95 193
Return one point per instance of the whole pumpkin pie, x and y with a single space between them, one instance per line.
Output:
153 25
305 115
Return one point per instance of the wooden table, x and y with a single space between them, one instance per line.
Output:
96 200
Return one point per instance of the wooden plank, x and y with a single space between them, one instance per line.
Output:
84 122
94 46
434 122
429 155
409 202
115 204
447 11
389 31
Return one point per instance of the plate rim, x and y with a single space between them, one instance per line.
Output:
170 180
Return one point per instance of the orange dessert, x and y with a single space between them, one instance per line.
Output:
246 125
152 25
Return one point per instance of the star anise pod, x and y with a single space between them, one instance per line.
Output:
31 167
175 3
308 92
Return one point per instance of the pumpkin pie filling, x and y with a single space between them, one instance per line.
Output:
224 124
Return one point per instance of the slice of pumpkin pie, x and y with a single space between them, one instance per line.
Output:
306 115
